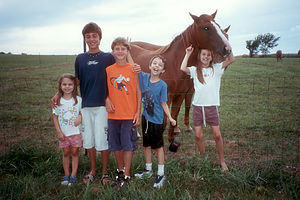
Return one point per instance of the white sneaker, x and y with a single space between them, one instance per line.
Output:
144 174
159 182
65 180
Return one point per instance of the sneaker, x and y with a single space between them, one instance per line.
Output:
120 175
124 181
159 181
65 180
72 180
144 174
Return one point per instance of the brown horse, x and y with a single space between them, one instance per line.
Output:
203 33
278 55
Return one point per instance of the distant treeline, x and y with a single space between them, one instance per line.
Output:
287 55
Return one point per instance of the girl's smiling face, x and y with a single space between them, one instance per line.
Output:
205 57
67 86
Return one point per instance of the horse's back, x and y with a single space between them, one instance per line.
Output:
146 45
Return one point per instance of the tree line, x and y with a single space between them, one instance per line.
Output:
262 43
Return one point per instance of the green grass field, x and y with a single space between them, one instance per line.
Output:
259 114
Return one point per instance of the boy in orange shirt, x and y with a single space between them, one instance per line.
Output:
123 105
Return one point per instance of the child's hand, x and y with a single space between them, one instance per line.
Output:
136 120
189 50
136 68
78 120
109 106
173 122
61 136
54 100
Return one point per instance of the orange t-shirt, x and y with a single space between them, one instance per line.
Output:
122 91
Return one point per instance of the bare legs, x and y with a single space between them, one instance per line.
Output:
92 157
219 143
160 155
74 151
124 159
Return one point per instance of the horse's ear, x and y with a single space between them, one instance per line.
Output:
226 29
195 18
214 14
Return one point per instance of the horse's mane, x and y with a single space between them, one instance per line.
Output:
163 49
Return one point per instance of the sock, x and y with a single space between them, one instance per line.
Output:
161 170
127 177
149 166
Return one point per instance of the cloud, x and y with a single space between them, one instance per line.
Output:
295 28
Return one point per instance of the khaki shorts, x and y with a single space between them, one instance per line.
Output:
94 128
206 115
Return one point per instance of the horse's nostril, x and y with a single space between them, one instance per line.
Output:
226 52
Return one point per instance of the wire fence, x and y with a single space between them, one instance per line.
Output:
259 118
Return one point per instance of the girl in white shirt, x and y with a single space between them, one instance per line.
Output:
207 79
67 118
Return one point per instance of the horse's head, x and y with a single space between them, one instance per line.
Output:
205 33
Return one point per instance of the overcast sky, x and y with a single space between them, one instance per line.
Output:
54 26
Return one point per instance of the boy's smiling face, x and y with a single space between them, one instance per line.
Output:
157 67
93 41
120 52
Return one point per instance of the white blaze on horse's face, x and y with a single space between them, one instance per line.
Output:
220 33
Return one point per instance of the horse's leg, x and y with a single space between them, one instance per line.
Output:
188 102
175 108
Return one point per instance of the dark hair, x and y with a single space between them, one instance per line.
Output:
61 93
163 59
122 41
92 28
199 66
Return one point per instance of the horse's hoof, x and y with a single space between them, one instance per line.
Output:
189 130
177 133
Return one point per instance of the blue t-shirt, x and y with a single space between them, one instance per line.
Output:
90 70
153 94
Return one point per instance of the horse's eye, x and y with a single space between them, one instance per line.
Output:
206 28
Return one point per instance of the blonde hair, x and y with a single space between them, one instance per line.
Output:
122 41
61 93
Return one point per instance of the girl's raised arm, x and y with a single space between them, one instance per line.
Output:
229 60
185 60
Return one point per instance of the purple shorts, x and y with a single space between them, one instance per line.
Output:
73 141
122 135
210 116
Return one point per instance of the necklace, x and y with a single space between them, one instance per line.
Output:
93 55
206 72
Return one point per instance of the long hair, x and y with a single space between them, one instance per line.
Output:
199 66
61 93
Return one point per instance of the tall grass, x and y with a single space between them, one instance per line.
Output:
259 115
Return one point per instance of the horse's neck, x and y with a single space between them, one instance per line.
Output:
187 38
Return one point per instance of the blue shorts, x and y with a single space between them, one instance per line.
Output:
122 135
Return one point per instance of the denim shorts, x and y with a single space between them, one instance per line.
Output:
122 135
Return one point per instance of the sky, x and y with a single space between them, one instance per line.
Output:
53 27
